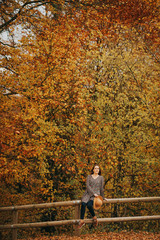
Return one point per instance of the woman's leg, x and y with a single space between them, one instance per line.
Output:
83 209
90 207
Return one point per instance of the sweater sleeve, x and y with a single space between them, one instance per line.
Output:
89 189
102 188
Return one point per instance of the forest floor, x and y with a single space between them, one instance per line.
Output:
124 235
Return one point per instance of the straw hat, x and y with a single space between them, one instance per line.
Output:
98 201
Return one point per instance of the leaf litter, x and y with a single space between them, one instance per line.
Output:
124 235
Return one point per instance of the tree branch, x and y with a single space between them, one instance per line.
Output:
9 70
7 23
5 44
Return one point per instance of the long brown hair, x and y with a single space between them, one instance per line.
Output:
94 167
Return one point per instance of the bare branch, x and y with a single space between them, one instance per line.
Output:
7 23
5 44
9 69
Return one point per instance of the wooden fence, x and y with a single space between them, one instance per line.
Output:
15 209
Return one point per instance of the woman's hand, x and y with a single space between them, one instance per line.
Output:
96 195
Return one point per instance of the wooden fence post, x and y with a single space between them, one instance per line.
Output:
77 216
15 221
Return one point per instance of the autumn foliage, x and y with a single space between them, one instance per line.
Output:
79 85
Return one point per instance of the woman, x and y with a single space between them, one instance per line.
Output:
94 188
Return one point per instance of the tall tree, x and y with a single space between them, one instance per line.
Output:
78 89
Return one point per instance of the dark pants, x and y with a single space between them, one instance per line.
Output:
89 206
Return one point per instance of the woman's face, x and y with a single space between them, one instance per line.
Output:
96 170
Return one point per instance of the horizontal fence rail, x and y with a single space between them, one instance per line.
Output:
73 221
76 204
41 205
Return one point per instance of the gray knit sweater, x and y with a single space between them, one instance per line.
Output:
93 186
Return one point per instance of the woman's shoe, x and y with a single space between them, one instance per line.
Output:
95 222
81 224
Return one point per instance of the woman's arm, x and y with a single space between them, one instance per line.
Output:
89 189
102 188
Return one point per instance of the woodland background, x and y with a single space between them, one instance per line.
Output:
79 85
